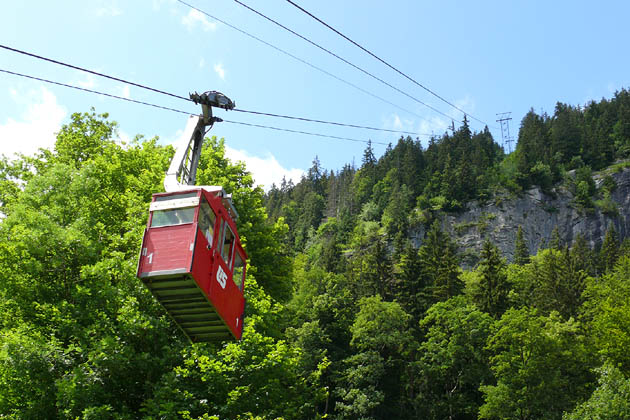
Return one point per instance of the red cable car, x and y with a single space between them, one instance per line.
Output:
193 262
192 259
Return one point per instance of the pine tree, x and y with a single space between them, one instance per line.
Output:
582 255
409 285
521 252
609 253
556 241
492 293
440 265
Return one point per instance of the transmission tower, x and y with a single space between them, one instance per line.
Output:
504 118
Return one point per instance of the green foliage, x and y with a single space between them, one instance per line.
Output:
440 265
381 336
453 362
553 281
491 294
345 317
609 252
521 252
607 309
609 401
540 366
83 338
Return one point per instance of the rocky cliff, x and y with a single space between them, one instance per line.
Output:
538 214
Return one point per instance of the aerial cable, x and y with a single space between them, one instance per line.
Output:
94 91
304 132
313 66
188 99
343 59
331 122
383 61
92 72
181 111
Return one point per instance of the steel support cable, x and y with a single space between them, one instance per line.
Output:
92 72
52 82
188 99
383 61
179 110
344 60
303 132
313 66
331 122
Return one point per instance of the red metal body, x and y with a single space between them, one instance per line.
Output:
193 265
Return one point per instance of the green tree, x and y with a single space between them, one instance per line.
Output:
492 291
609 401
607 311
452 361
83 338
540 365
440 265
609 252
521 252
371 384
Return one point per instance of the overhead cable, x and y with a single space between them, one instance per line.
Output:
331 122
188 99
93 91
382 61
343 59
184 112
313 66
50 60
304 132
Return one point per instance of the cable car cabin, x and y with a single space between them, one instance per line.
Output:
193 262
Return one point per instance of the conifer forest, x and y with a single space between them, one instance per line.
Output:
346 316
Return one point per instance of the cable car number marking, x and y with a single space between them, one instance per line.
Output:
149 257
221 277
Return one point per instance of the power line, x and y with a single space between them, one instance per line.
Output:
313 66
188 99
343 59
383 61
185 112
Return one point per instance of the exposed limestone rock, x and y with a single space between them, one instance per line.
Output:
538 214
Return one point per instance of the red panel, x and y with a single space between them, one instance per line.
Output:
167 248
226 297
202 263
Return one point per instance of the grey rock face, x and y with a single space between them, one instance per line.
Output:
538 214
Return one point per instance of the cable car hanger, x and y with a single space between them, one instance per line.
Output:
192 259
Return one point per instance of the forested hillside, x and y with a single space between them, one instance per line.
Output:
345 317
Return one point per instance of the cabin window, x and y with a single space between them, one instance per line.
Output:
206 221
174 209
172 217
228 243
239 271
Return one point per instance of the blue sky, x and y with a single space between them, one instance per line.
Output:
485 56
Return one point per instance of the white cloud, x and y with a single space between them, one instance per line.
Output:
265 170
467 104
202 63
88 83
108 9
37 126
220 70
124 92
395 122
434 125
193 17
